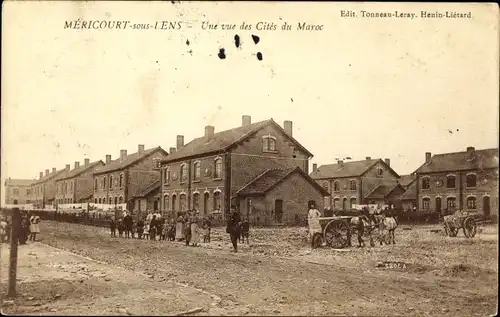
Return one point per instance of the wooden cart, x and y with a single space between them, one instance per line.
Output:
461 220
332 231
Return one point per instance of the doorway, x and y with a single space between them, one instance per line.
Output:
155 205
206 196
278 210
486 206
438 205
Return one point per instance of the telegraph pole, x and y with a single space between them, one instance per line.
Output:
14 240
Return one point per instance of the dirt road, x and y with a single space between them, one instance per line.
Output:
438 281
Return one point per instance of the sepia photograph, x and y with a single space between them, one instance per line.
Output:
213 158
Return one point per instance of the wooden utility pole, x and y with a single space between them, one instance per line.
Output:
14 240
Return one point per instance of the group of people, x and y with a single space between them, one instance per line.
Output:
189 227
28 228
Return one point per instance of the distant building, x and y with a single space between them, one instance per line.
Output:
118 181
18 191
408 200
43 190
257 167
147 198
370 181
76 186
462 180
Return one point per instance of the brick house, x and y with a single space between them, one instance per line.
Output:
18 191
118 181
408 200
148 198
43 190
368 181
465 180
207 173
76 186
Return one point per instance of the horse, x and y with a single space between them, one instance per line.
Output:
363 225
244 231
127 224
387 226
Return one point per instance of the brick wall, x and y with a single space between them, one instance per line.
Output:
23 195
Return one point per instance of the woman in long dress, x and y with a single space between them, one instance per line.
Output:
34 226
179 228
195 235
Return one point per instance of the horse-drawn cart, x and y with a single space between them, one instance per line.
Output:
332 231
462 220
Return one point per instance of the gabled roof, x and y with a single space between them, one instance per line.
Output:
224 140
50 176
347 169
461 161
149 188
271 178
19 182
406 180
130 159
410 193
381 191
77 171
85 195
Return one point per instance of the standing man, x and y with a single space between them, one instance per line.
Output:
313 221
233 227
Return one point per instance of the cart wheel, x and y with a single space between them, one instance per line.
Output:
317 240
337 234
450 231
470 227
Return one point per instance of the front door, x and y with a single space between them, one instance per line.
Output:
155 205
278 210
206 196
486 206
438 204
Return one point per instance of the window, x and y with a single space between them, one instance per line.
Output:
471 180
451 203
166 175
28 191
121 181
345 204
110 181
336 203
450 181
182 202
120 200
217 201
100 200
426 202
174 198
110 201
196 171
196 201
380 172
165 202
183 174
96 185
426 183
218 168
325 186
471 202
352 184
104 182
353 202
336 186
95 200
16 191
269 144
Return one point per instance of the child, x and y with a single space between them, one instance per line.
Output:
112 227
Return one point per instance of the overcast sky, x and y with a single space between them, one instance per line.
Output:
392 88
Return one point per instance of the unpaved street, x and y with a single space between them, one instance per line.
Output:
276 274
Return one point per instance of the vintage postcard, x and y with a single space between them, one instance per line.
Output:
249 158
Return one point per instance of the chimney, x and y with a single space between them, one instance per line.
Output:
46 172
470 149
368 158
246 121
87 162
340 162
427 157
180 141
287 125
140 148
41 175
171 150
77 164
67 167
209 131
108 158
53 169
123 153
315 167
387 161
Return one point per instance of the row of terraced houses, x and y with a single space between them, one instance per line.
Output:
262 170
